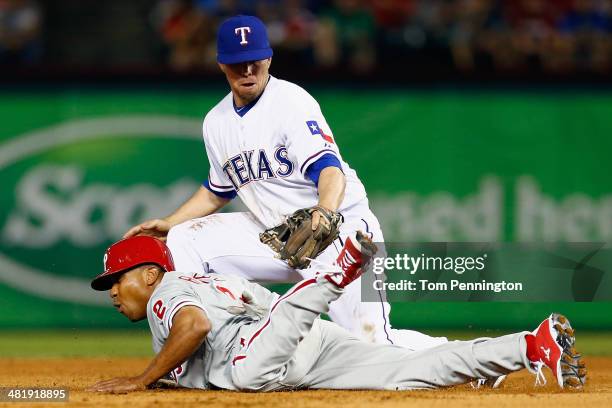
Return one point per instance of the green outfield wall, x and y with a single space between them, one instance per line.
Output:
78 167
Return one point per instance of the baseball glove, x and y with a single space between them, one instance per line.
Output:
295 241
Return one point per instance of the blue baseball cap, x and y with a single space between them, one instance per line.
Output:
241 39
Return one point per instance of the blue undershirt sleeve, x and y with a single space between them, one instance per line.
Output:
314 170
229 195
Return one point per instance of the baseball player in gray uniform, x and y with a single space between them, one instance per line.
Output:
212 331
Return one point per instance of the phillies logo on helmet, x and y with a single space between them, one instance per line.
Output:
243 32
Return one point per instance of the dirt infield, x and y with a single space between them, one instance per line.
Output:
76 374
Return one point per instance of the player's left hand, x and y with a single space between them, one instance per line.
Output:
121 385
297 241
318 218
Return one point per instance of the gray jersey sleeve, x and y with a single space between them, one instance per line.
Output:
166 301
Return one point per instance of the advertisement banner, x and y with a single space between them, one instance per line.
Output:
78 168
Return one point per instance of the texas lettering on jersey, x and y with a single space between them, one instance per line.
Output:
250 166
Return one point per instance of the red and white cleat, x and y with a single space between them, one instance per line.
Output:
353 259
552 345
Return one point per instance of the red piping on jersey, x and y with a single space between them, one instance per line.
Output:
299 287
171 314
189 303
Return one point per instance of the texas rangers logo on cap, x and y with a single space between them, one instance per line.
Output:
242 39
242 31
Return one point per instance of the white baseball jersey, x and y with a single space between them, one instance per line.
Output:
263 156
221 298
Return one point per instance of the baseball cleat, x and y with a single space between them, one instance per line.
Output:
554 347
353 259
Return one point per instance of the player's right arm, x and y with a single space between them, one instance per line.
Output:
190 326
202 203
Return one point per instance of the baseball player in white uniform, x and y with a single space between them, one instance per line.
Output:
268 142
214 331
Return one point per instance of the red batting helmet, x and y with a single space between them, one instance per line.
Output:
130 253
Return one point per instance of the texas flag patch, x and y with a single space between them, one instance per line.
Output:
315 129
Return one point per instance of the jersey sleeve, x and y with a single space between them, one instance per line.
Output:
217 182
166 303
309 137
313 171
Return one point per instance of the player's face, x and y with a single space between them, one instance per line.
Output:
247 79
131 293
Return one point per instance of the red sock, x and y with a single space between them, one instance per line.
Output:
532 350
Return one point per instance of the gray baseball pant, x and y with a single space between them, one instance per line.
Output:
294 349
